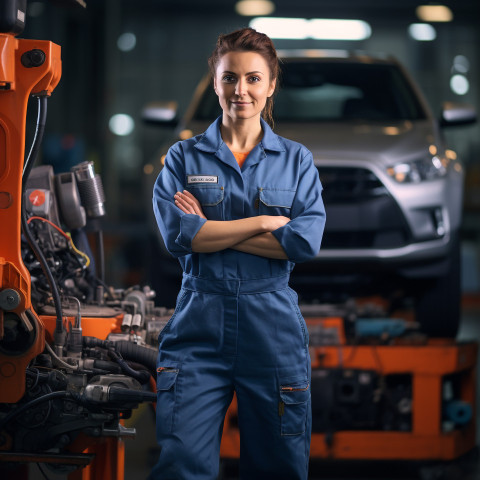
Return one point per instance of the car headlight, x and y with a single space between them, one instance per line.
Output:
417 171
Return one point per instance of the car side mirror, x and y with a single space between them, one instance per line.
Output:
162 114
457 114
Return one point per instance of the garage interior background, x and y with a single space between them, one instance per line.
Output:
119 55
165 46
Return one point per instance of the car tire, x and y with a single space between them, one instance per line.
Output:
438 302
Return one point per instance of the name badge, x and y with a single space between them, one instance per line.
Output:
202 179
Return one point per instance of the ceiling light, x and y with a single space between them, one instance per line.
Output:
323 29
126 41
251 8
316 28
461 64
121 124
148 169
289 28
434 13
423 32
159 111
459 84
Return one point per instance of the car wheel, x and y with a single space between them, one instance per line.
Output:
437 304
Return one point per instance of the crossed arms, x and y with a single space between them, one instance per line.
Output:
250 235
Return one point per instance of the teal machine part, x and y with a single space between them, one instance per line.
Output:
378 327
458 412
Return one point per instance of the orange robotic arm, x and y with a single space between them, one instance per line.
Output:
27 67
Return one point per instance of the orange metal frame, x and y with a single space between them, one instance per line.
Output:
17 84
428 364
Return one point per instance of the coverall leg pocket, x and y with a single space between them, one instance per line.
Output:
167 375
293 406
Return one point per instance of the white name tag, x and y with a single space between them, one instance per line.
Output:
202 179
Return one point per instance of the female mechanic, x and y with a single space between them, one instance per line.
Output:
238 205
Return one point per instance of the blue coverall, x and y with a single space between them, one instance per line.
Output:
237 325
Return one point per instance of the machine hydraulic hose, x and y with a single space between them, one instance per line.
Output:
129 351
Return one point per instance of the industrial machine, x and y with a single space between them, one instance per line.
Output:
76 356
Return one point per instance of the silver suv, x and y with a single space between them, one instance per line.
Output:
392 189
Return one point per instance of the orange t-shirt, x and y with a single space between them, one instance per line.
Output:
240 157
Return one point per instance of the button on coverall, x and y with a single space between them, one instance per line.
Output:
236 326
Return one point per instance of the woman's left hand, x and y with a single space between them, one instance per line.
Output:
187 203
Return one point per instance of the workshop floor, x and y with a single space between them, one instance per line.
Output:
141 452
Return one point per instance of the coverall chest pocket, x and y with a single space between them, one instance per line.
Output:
211 199
293 407
275 202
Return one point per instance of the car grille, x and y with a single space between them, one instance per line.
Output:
360 211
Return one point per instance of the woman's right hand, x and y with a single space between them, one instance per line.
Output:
272 222
187 203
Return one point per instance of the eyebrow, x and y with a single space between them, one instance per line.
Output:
248 73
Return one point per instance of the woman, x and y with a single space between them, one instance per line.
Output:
238 206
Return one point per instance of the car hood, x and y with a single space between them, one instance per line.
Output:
380 143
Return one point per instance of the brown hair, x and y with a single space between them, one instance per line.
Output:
249 40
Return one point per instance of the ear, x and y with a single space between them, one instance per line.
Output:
215 85
272 87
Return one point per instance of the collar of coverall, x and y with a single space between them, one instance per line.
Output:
211 140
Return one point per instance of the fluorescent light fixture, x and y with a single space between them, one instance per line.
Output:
434 13
316 28
159 111
251 8
278 27
423 32
323 29
313 53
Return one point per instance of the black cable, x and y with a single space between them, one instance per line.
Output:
143 376
45 268
136 353
101 255
29 162
32 403
127 350
106 287
42 472
37 139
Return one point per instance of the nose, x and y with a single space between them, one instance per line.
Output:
241 87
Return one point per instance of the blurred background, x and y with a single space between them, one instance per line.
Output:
120 55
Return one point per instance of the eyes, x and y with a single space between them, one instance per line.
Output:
228 78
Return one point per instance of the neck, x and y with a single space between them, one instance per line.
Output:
241 135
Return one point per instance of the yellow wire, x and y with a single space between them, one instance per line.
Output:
76 250
66 235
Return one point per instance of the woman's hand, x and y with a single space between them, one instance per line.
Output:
272 222
187 203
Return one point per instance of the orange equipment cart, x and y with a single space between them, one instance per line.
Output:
409 387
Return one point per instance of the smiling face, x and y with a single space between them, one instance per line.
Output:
242 83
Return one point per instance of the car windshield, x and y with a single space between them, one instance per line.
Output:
335 91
